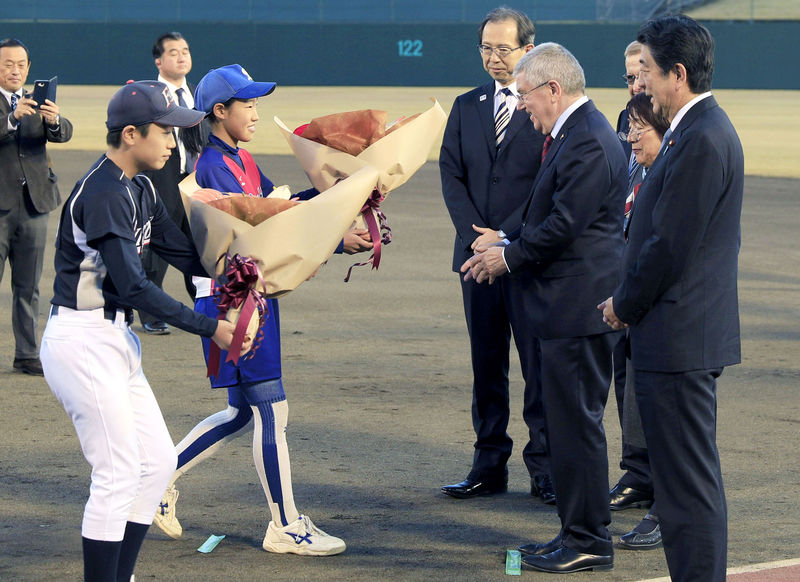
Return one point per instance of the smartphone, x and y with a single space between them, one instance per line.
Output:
44 90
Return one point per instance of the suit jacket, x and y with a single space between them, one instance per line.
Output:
571 236
624 125
482 184
166 181
23 159
680 263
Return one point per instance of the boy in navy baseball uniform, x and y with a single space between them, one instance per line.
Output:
255 390
90 356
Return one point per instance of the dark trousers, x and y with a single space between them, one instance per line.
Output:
576 376
23 234
679 415
492 313
635 461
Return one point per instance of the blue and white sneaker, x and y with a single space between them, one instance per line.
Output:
165 517
301 537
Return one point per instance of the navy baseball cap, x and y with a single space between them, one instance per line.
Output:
220 85
142 102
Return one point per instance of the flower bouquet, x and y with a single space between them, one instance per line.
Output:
334 147
255 248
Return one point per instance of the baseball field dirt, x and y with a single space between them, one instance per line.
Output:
378 381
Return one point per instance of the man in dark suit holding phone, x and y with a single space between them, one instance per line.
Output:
679 293
28 192
566 247
490 155
173 59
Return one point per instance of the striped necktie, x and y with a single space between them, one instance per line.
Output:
14 99
502 117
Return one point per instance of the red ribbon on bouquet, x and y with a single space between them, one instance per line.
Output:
379 231
242 277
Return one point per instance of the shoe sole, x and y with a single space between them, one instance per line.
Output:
28 372
175 535
157 332
601 568
639 547
637 505
301 551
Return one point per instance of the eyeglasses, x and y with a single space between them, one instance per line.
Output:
630 79
524 96
502 51
633 135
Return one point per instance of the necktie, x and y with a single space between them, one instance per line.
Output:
502 117
181 100
665 141
14 99
548 141
189 159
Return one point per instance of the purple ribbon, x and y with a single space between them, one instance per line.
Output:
242 277
379 231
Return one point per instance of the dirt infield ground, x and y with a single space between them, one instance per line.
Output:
378 380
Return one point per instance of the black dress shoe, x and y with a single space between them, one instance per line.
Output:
30 366
622 497
645 536
155 328
565 561
541 549
542 487
476 487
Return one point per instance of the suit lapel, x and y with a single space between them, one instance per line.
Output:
558 141
517 122
485 105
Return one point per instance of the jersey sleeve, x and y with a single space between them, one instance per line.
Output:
124 267
106 213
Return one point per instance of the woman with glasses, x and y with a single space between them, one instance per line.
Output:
645 135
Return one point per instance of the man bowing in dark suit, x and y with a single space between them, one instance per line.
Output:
173 60
568 244
489 158
28 193
679 296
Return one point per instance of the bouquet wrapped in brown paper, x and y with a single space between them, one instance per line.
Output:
266 247
333 147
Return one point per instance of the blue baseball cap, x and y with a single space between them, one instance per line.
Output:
142 102
220 85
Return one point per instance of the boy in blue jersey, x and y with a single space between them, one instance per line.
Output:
90 356
255 392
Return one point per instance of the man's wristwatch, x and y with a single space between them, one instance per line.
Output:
501 234
57 122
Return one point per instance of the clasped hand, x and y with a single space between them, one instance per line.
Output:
609 317
487 263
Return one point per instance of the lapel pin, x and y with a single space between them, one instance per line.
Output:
483 98
671 143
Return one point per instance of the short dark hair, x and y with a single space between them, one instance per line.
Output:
158 46
680 39
526 32
9 42
640 108
114 138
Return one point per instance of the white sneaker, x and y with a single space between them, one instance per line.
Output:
301 537
165 517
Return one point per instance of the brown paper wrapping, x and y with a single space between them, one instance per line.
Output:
396 156
288 247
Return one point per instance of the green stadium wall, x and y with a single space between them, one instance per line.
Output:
749 55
